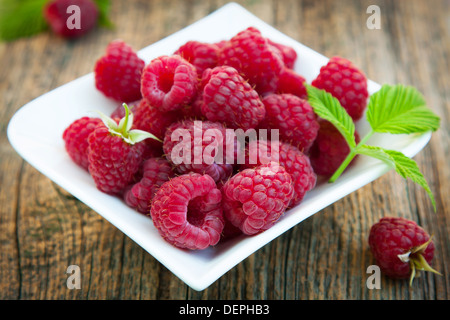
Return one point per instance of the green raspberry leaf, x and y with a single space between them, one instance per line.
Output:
136 135
21 18
403 165
400 109
103 18
126 122
329 108
109 123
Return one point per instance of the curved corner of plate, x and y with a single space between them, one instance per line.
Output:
11 129
420 143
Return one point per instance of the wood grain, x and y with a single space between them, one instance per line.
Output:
44 229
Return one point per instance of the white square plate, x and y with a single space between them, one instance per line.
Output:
39 141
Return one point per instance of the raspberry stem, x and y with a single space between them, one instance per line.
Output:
123 128
417 261
350 156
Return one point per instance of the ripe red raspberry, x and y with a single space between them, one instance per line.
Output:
200 54
288 54
153 120
194 145
329 149
400 247
346 83
187 211
112 162
155 172
294 117
57 15
75 138
221 44
230 231
118 72
119 111
255 199
250 53
293 83
169 83
228 98
295 162
194 109
148 121
115 154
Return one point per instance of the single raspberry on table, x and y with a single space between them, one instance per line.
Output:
345 82
115 153
329 149
169 82
401 247
255 199
75 138
187 211
295 162
118 72
58 12
228 98
251 54
202 55
201 147
293 117
155 172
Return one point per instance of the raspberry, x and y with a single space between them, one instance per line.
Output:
115 153
169 83
400 247
192 145
112 162
155 171
329 149
75 138
187 212
194 109
228 98
56 14
255 199
346 83
151 119
200 54
221 44
118 72
250 53
292 82
143 121
294 117
295 162
230 231
288 54
119 111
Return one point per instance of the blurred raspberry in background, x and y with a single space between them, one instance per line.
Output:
66 18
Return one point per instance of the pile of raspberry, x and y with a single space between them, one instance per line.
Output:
189 100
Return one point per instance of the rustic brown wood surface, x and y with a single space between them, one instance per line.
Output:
44 229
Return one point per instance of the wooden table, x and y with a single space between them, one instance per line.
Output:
44 229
